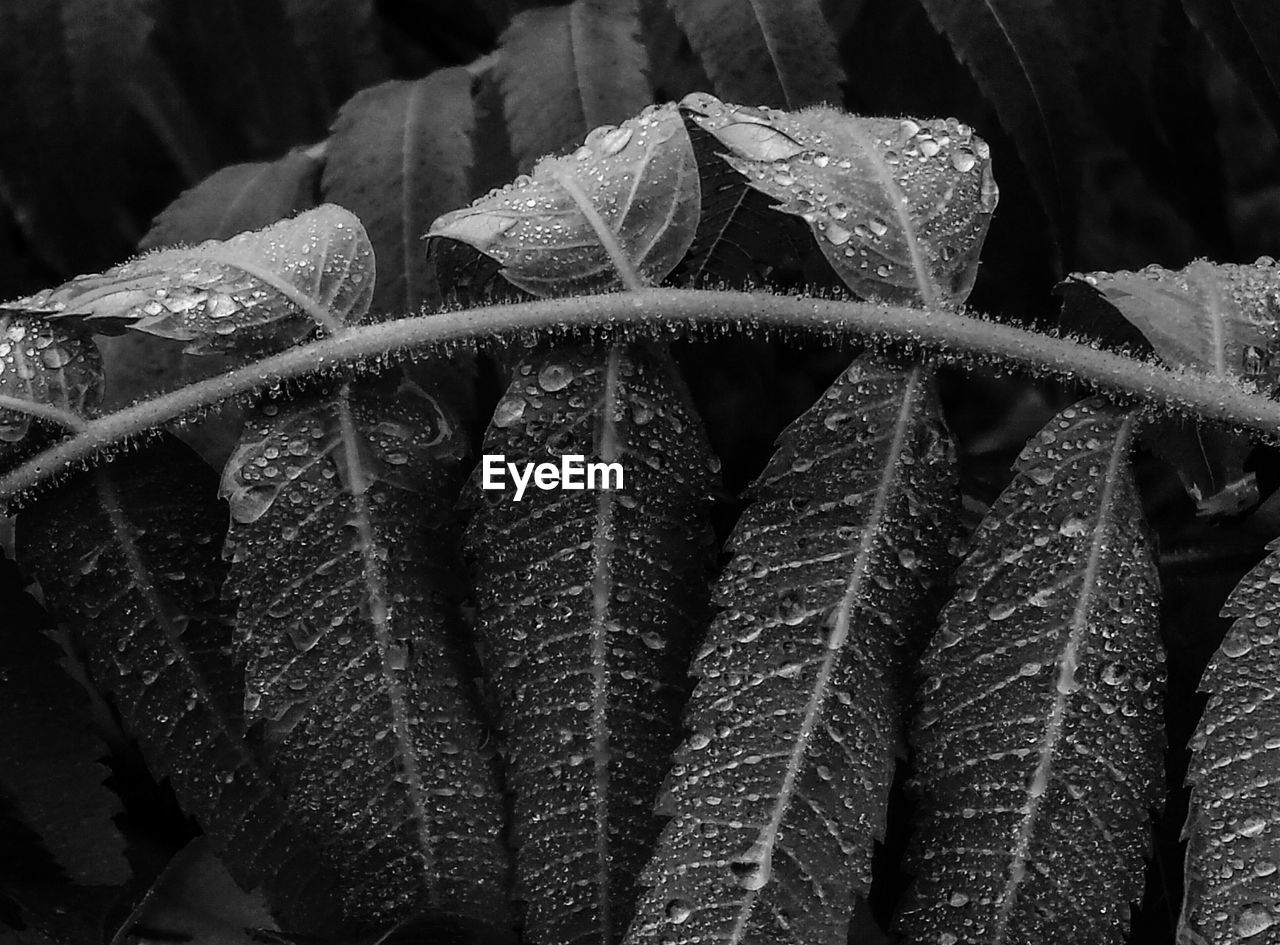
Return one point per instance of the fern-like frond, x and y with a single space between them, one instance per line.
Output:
340 43
399 156
567 69
235 199
1233 828
265 289
128 557
1039 744
797 718
351 639
589 604
768 52
638 180
53 772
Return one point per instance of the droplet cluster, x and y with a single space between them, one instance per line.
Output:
48 364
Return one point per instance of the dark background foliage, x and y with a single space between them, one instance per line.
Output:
1155 141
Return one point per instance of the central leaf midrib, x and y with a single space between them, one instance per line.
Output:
1066 670
767 838
379 618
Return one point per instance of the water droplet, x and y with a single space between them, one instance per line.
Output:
1254 920
963 160
678 910
509 411
753 868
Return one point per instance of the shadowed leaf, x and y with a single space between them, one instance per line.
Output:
640 178
796 722
768 52
235 199
1039 743
261 290
339 41
567 69
128 557
589 604
1246 33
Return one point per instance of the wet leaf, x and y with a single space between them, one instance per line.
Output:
899 207
262 290
640 178
771 52
399 157
1232 830
52 771
46 363
781 786
589 604
567 69
1219 318
351 638
128 556
1040 742
235 199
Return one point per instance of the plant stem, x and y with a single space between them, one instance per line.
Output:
64 418
658 312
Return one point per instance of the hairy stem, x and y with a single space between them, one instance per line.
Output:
64 418
944 334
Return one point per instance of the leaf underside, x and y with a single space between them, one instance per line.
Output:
771 52
48 364
235 199
1233 828
52 770
262 290
796 721
128 557
351 639
589 604
640 178
567 69
1039 744
398 157
899 208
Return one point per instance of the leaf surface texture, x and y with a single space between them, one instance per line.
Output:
589 604
780 787
1233 828
1039 743
351 639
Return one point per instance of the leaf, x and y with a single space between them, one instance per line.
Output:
53 770
771 52
803 678
639 178
589 604
567 69
354 658
899 209
1219 318
48 364
399 156
339 40
267 289
1246 33
128 557
1039 744
1232 831
238 198
195 900
1018 57
68 68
